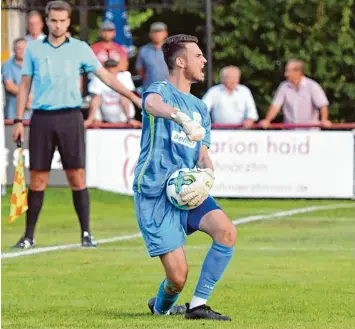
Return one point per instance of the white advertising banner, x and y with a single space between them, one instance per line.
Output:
282 164
111 156
255 164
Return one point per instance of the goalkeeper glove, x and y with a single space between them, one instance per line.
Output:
198 191
193 130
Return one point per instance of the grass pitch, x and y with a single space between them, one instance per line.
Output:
296 272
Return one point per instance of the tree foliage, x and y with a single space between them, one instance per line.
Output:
260 36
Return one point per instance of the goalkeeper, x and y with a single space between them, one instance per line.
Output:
175 135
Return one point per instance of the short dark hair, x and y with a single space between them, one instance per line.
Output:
173 46
17 40
58 5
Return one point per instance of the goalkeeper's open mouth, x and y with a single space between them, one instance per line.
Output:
203 71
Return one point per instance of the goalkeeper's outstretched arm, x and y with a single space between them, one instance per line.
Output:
155 106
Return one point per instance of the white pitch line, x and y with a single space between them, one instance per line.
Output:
271 249
290 213
239 221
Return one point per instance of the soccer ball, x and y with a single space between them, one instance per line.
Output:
175 185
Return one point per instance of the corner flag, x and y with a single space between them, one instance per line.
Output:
18 202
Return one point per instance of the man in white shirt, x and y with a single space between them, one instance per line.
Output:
231 102
34 26
114 108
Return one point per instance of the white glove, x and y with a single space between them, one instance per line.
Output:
198 191
193 130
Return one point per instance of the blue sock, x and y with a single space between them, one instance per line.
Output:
164 301
216 261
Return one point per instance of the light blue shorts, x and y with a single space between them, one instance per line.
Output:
164 226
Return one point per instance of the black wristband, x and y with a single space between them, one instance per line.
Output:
18 121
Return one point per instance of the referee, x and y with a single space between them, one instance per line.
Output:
54 65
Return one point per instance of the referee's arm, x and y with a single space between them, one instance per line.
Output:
22 96
18 132
110 80
27 71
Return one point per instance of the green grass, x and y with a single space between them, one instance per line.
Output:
295 272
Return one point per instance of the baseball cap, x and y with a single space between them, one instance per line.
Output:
110 63
107 25
158 26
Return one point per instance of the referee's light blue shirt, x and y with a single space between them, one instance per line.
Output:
56 72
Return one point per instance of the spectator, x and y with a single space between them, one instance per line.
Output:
108 49
231 102
150 63
34 26
300 98
114 107
11 78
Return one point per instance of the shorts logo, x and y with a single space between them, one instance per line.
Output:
181 138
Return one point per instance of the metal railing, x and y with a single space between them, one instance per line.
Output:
277 126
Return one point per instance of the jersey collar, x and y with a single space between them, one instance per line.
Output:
45 40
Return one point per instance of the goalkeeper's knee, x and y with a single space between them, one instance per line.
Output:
175 284
226 235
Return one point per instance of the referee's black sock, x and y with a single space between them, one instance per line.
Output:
35 201
82 206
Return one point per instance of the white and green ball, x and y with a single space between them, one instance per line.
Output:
176 183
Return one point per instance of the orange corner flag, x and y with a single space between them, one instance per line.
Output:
18 202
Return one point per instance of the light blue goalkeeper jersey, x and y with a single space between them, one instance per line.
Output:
164 146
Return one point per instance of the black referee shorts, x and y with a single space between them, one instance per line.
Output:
62 129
